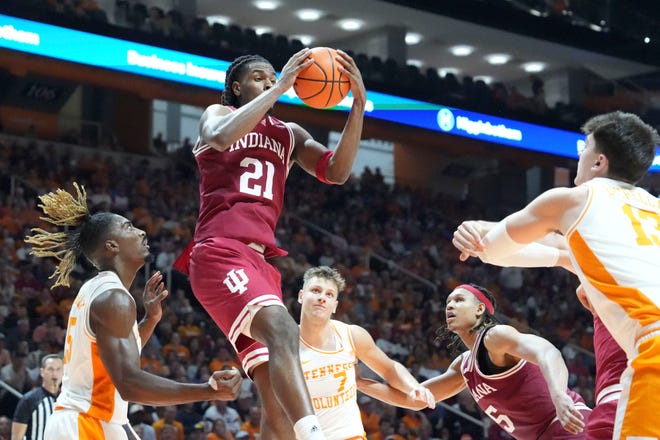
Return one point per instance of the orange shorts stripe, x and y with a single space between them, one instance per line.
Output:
89 428
642 405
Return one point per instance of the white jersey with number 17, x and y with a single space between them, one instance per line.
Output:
615 247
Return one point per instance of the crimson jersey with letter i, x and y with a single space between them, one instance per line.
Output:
517 399
242 188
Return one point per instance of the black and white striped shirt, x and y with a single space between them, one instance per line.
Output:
33 409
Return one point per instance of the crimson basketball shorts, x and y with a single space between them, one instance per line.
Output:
601 421
233 282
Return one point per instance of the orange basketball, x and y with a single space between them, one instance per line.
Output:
322 84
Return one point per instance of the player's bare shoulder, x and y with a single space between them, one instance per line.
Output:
499 336
563 198
564 205
214 110
210 124
300 134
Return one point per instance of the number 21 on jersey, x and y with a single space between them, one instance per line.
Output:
252 180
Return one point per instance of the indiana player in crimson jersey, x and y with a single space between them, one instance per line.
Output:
610 359
519 380
244 156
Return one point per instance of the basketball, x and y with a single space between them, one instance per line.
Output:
322 84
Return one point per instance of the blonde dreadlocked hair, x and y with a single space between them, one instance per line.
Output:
61 209
64 209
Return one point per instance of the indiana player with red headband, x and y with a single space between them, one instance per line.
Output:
519 380
244 156
611 361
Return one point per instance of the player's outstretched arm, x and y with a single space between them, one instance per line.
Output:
394 374
112 316
554 210
385 393
449 383
504 339
548 251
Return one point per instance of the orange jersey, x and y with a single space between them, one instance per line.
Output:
86 385
615 247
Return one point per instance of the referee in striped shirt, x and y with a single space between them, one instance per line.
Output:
36 406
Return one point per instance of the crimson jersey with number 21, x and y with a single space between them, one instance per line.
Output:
242 188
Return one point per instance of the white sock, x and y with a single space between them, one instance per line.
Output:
308 428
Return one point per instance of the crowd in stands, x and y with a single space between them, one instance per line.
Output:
153 25
391 243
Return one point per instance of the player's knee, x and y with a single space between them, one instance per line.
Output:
274 327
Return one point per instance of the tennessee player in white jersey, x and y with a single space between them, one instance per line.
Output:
618 262
86 385
330 378
612 229
632 226
329 352
103 341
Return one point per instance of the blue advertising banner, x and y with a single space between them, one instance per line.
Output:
170 65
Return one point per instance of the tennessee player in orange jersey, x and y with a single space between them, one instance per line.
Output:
612 228
102 349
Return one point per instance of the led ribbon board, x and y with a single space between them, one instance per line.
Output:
170 65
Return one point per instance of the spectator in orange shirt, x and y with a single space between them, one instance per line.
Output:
168 432
64 307
220 431
413 420
176 346
189 329
169 416
223 360
150 359
253 424
47 305
385 431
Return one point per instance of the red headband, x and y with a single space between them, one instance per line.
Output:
480 296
